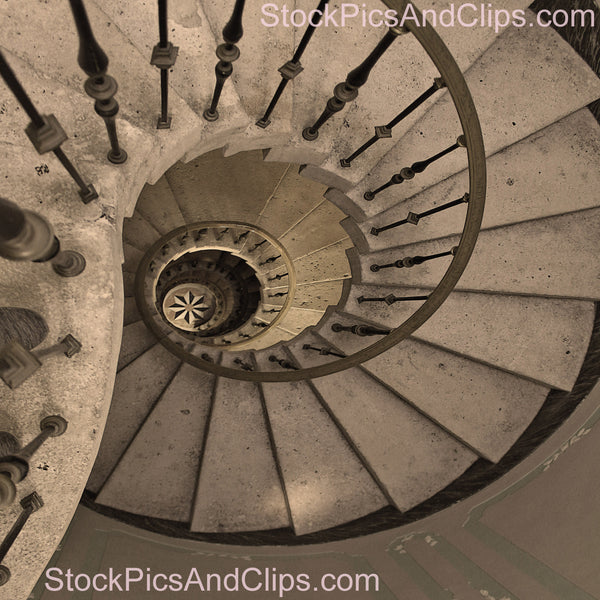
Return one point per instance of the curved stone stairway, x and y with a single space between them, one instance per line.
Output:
226 455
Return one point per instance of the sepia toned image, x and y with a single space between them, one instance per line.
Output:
299 299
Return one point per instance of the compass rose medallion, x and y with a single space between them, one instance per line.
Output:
189 305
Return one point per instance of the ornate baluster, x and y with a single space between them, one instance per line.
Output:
348 90
278 277
18 364
259 324
277 295
44 131
361 330
269 260
30 504
99 85
414 218
385 131
323 351
15 466
25 235
227 53
411 261
221 233
164 55
256 246
391 299
293 67
272 310
243 365
283 363
418 167
241 237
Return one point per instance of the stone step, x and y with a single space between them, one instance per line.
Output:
139 233
555 256
553 171
156 476
543 339
293 199
411 457
212 187
137 338
132 257
137 387
509 84
238 485
382 100
486 408
158 206
130 312
325 482
319 229
327 264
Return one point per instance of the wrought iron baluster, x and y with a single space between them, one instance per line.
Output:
277 295
15 466
259 324
362 330
100 86
243 365
227 54
411 261
278 277
272 310
241 237
417 167
256 246
391 299
30 504
414 218
269 260
44 131
323 351
283 363
293 67
164 55
18 364
348 90
385 131
25 235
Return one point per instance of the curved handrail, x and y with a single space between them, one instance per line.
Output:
465 107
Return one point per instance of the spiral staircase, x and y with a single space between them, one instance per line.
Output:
249 393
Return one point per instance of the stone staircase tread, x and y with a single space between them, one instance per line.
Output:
484 407
317 464
293 200
137 387
156 476
158 206
554 256
238 486
551 172
138 232
509 86
320 229
541 339
411 456
136 340
130 312
215 188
